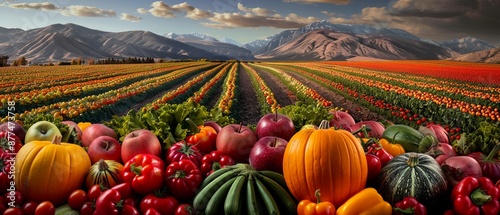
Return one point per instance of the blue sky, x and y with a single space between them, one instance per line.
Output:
247 20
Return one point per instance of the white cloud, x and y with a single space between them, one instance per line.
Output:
142 10
130 17
258 10
339 2
35 6
233 20
87 11
160 9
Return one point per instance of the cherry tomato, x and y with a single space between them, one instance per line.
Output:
18 197
94 192
184 209
129 210
13 211
45 208
87 209
30 207
77 198
151 211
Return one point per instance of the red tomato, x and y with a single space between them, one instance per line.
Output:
77 198
151 211
87 209
94 192
182 150
182 179
18 197
185 209
129 210
45 208
163 205
30 207
13 211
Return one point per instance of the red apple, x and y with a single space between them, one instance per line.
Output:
140 141
277 125
76 127
15 128
214 125
236 141
94 131
106 148
267 154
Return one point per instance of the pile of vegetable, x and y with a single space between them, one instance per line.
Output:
183 159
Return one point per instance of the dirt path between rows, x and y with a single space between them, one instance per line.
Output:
248 104
280 91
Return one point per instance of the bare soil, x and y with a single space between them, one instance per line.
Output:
248 106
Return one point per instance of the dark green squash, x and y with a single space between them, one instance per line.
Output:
412 174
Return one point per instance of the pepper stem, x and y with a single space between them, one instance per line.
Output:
136 169
192 126
479 197
318 196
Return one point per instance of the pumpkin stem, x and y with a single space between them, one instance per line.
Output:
318 196
57 139
412 160
493 153
479 197
324 124
103 166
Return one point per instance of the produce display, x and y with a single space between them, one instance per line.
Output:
336 138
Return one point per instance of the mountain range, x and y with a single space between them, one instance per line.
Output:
316 41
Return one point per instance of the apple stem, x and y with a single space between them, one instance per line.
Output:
276 116
241 126
57 140
107 145
273 144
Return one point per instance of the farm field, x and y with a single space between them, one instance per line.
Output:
171 99
454 94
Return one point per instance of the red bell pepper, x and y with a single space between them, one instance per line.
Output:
214 161
185 209
182 150
409 205
6 172
160 202
476 196
490 165
376 148
145 173
203 137
182 179
113 202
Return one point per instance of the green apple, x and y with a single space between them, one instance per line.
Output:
307 126
42 131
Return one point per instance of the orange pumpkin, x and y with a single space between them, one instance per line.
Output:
50 170
326 159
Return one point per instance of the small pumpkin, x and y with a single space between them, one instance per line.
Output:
107 173
326 159
412 174
50 170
